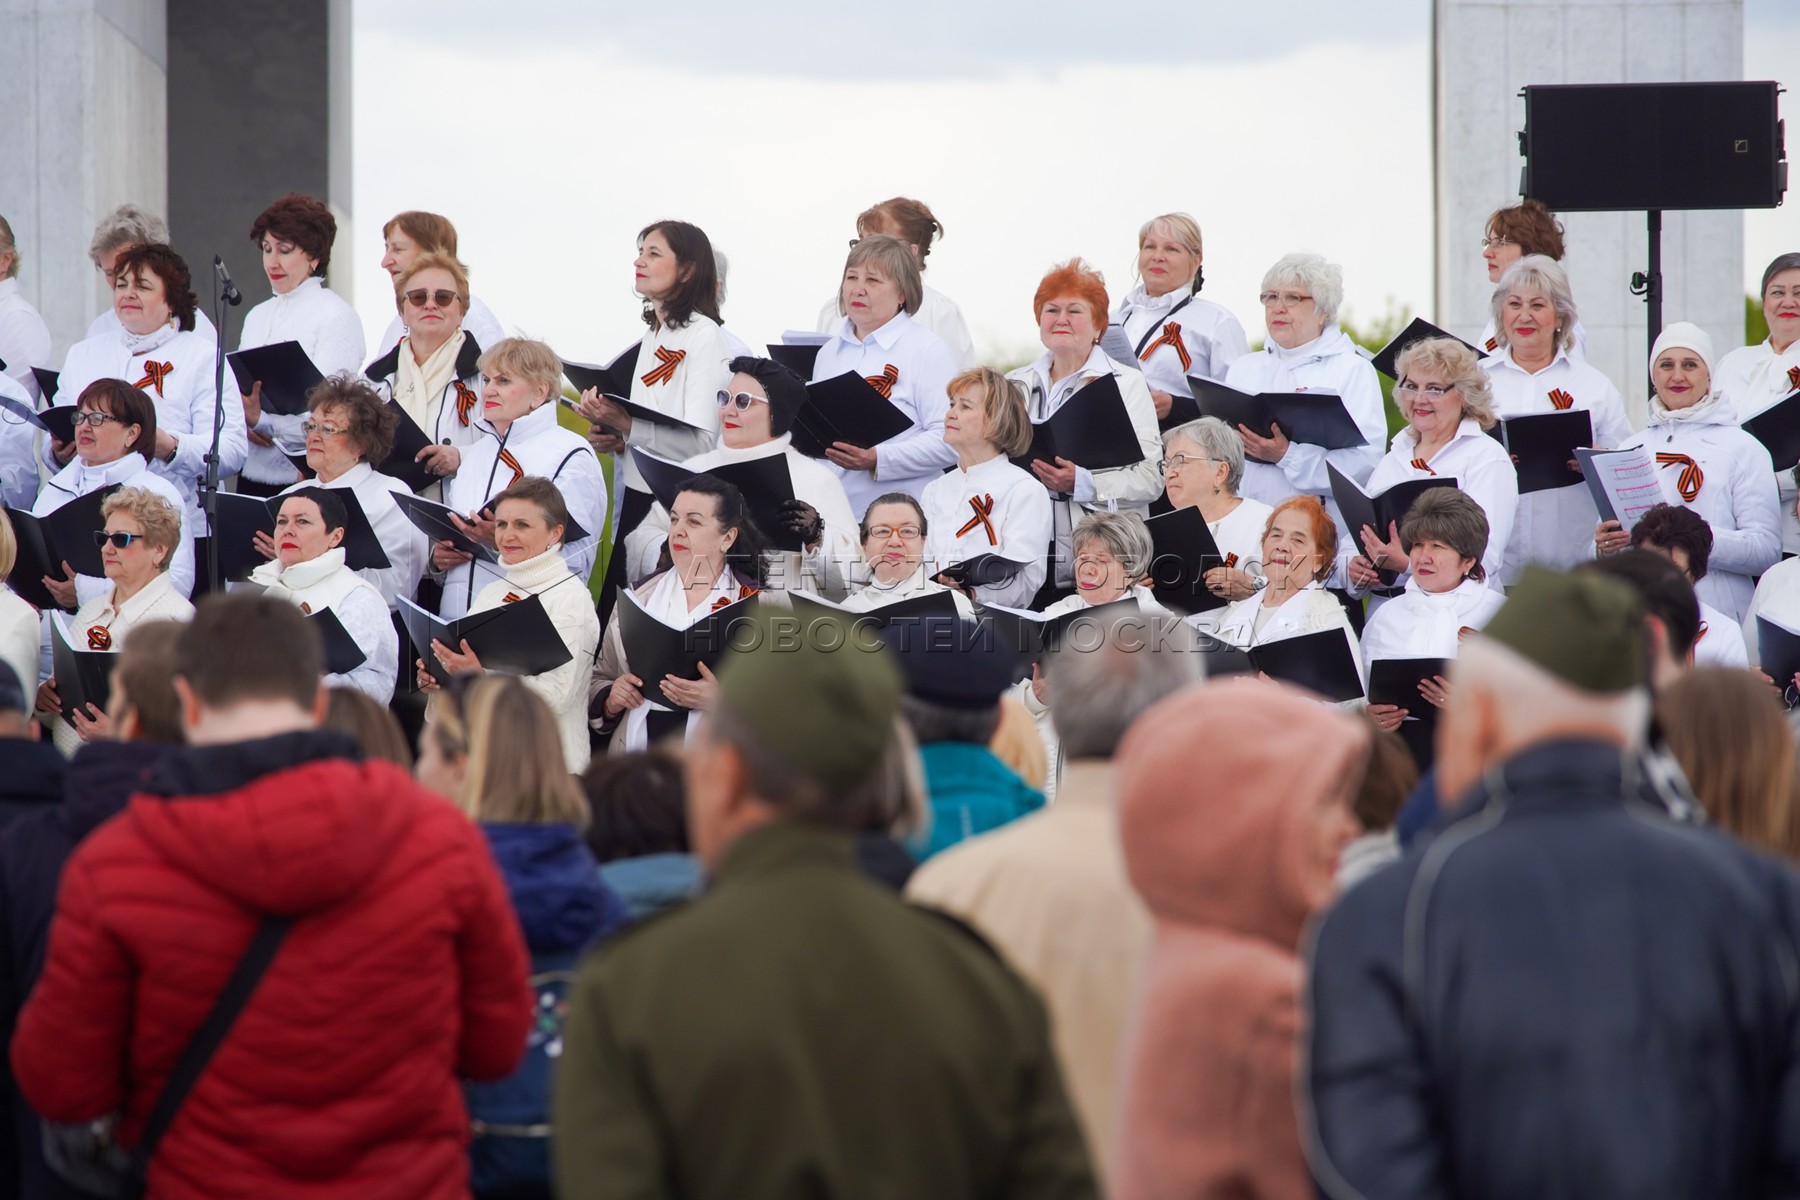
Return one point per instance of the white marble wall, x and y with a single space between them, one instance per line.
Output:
84 92
1486 52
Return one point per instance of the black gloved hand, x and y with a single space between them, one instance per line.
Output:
802 519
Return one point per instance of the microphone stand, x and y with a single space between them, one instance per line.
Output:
225 297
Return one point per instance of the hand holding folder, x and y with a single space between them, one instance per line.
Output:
286 374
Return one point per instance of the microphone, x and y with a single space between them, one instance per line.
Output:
227 288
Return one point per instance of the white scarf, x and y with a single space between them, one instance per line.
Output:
301 575
1703 407
417 384
144 343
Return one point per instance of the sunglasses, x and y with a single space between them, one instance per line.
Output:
742 400
442 296
119 540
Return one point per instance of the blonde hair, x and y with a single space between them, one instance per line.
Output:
1176 225
1017 744
1006 423
893 258
1545 276
1460 367
516 770
531 361
9 545
1727 730
155 516
459 276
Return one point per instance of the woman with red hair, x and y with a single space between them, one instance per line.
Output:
1071 307
1299 548
295 235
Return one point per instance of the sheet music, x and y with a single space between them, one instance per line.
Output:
1625 484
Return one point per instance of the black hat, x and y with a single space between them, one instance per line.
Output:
12 692
950 662
784 387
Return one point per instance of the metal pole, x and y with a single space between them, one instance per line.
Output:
1653 290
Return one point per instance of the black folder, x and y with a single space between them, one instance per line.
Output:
1396 681
516 638
1417 330
241 518
58 421
47 381
799 359
1315 418
1182 409
1378 512
342 654
83 676
1319 662
1092 429
984 570
1543 445
846 408
1183 551
23 412
1031 635
35 559
433 520
766 483
655 650
1778 650
287 375
613 380
401 462
46 542
913 608
1778 428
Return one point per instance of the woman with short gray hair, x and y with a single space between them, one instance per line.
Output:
1203 466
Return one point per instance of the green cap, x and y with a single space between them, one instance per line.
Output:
818 695
1582 627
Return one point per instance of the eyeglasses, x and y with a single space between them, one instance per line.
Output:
96 419
442 296
119 540
1287 299
1178 461
908 533
743 400
1436 391
1487 242
322 428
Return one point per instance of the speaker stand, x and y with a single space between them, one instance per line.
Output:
1648 283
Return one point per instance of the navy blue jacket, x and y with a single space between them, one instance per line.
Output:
1564 995
555 886
31 777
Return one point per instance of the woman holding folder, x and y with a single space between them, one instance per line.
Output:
432 375
1755 378
530 518
1203 467
520 437
894 533
1071 307
308 570
913 222
715 560
295 235
141 533
115 436
1171 330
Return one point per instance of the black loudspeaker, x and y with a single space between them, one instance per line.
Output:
1641 146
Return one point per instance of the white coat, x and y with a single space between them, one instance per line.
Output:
407 548
937 312
326 583
1752 379
330 332
680 371
992 508
1482 469
1177 335
78 479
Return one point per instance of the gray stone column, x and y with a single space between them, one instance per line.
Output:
83 90
1485 52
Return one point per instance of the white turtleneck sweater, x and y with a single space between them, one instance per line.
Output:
326 583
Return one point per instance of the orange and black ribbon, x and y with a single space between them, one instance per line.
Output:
511 598
664 370
512 464
306 608
1794 377
465 402
1561 399
99 637
984 514
1700 634
1493 344
1420 464
1466 632
1231 559
1690 480
154 374
1171 336
744 593
884 382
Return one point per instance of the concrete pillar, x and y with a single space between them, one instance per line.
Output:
1485 52
83 87
259 105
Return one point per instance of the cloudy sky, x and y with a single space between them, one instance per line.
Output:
550 131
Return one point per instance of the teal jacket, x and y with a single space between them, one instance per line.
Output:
971 792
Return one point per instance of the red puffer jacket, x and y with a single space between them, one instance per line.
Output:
404 971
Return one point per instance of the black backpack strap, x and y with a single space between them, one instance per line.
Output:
206 1040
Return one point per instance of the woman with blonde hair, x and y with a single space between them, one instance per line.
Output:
1170 329
986 506
433 373
1728 731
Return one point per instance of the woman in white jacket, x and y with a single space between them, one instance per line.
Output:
1071 307
1298 549
295 235
1707 462
894 533
1203 468
529 520
915 224
1172 331
308 570
1753 378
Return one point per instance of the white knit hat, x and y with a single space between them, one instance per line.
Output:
1688 336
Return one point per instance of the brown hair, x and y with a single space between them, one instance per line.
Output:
1324 530
372 422
915 221
145 668
169 267
303 221
1388 779
1005 421
906 498
516 773
128 404
1076 280
1449 516
696 276
1676 527
434 234
1530 226
459 276
241 647
160 520
1727 730
890 256
636 805
373 725
535 489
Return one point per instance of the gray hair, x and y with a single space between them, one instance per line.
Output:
721 267
1095 694
1124 535
127 225
1782 262
9 246
1325 280
893 258
1219 441
1544 275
